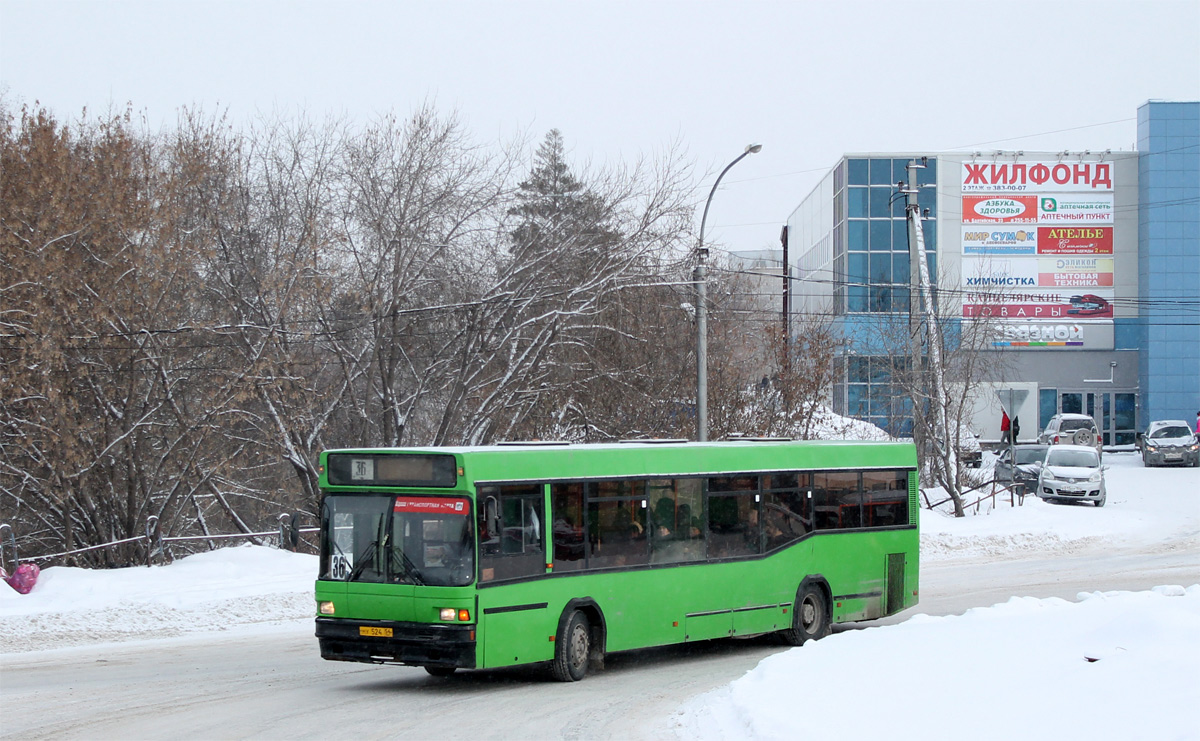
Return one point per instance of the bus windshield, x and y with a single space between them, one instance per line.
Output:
397 540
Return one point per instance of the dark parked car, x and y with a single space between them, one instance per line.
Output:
1029 457
1169 442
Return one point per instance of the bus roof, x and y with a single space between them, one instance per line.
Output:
541 461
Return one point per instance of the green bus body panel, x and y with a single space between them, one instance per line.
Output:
399 602
517 622
545 463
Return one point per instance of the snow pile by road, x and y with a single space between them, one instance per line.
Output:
1113 665
1145 507
215 591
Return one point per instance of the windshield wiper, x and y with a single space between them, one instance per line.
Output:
407 566
361 563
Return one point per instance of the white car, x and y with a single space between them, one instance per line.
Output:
1072 473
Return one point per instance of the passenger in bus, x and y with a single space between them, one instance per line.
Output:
568 539
664 518
688 525
773 524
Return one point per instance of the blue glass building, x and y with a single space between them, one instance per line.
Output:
1169 260
1106 324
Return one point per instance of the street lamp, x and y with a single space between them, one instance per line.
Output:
701 278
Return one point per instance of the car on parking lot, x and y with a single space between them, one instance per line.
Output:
1072 429
1029 458
1072 473
1169 442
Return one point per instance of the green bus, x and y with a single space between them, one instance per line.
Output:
480 557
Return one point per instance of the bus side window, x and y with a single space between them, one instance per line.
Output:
618 524
885 498
787 511
733 517
567 527
836 500
510 531
676 534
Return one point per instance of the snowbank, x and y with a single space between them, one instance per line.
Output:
1145 507
215 591
1113 665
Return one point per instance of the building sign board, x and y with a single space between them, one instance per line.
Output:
1037 303
1075 271
1075 209
1037 177
999 272
999 240
999 209
1064 335
1073 240
1037 246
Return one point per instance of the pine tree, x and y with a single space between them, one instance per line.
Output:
558 213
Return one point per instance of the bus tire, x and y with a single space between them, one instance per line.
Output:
572 649
810 616
440 671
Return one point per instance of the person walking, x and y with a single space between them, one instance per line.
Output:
1005 427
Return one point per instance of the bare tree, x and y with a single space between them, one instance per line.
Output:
95 295
966 363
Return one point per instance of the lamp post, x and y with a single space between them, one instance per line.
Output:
701 278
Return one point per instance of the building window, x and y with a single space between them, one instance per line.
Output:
881 172
881 207
1047 406
1125 418
857 232
857 200
858 171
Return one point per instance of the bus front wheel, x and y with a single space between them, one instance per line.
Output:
571 650
810 616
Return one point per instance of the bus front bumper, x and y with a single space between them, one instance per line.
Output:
389 642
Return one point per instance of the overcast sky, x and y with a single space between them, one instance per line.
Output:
809 81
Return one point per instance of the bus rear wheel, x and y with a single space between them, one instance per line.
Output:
571 650
810 617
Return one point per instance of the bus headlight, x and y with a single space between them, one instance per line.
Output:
449 614
325 608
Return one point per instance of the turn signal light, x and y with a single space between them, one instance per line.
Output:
464 616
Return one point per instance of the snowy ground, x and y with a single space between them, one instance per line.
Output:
1110 665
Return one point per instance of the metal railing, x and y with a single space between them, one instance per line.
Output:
1015 491
286 537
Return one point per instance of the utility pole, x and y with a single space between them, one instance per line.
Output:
787 312
947 448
